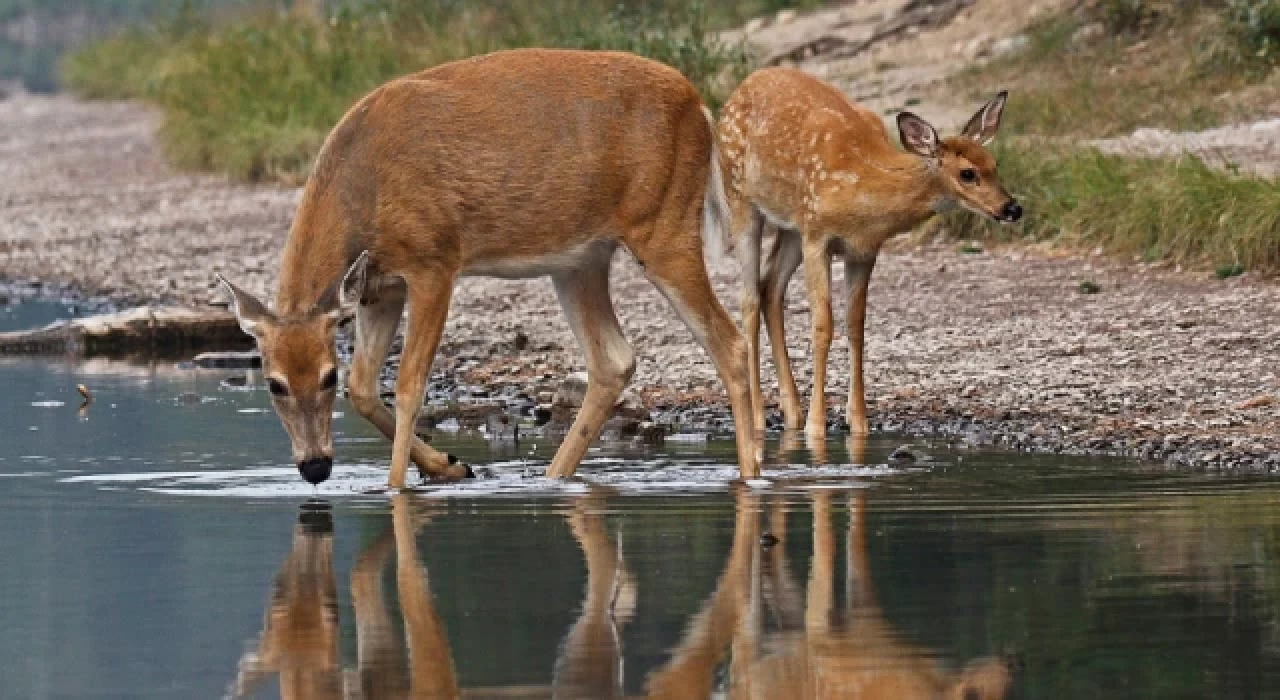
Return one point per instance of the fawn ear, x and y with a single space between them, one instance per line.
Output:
250 312
984 125
340 302
917 135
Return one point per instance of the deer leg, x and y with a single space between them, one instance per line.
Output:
429 294
590 658
857 274
749 261
681 276
817 275
381 665
584 296
376 325
431 662
783 260
821 594
858 571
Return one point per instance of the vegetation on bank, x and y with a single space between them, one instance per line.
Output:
1112 66
255 97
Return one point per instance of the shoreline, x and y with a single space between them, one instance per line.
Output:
999 347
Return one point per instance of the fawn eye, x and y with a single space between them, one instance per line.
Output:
277 387
969 175
330 380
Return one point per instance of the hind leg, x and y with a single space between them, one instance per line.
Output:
680 275
749 261
781 265
584 296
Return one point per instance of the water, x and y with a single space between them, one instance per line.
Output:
152 536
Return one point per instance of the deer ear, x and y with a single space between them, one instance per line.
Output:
917 135
250 312
984 125
342 299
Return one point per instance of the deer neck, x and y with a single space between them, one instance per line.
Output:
317 253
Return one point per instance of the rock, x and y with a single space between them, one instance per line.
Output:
499 427
631 406
571 392
188 398
649 433
542 414
1089 33
754 25
1010 45
905 454
235 381
1258 401
249 359
785 16
619 428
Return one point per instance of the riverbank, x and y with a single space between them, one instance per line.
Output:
994 347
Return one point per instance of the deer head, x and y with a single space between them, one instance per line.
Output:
967 168
300 363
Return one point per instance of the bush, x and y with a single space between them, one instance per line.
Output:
256 97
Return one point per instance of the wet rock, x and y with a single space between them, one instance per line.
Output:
649 433
571 392
542 414
631 406
249 359
619 428
499 427
188 398
906 454
235 381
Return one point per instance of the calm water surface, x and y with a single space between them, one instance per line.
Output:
156 546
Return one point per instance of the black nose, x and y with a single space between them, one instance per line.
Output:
1012 211
316 469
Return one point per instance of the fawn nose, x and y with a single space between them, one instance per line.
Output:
1012 211
316 469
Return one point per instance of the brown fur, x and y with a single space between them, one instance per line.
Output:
802 158
516 164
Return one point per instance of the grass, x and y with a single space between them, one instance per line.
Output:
255 97
1173 64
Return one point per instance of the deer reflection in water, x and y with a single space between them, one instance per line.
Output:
814 649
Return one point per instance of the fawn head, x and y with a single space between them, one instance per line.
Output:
300 364
968 169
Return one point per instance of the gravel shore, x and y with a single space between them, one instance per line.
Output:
994 347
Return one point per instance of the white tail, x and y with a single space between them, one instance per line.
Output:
715 204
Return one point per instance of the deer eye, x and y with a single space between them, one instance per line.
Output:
277 387
330 380
969 176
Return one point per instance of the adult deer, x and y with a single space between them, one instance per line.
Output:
517 164
803 159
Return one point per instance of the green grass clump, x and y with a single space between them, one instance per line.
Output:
255 97
1181 209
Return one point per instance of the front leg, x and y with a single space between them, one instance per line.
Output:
857 274
817 275
429 294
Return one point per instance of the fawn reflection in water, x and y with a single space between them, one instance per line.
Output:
760 634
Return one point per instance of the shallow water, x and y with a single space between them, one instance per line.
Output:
152 549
